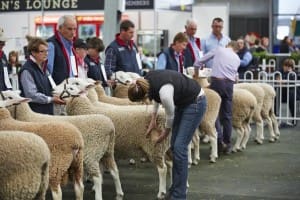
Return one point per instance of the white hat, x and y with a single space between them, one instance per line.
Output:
2 37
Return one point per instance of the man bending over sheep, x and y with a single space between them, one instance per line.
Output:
185 103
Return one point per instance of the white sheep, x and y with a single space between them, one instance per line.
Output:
267 112
259 94
244 104
112 100
98 133
66 146
24 166
131 125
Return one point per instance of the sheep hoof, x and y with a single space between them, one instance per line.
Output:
234 150
241 150
271 140
162 196
119 197
132 161
195 162
258 141
212 160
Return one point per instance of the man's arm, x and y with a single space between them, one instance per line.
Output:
110 62
161 62
246 59
51 54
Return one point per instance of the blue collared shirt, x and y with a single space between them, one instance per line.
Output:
51 53
196 49
212 42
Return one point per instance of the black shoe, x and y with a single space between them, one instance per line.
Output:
227 149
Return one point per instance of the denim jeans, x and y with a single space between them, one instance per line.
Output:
186 120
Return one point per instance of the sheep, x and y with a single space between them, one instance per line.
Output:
130 123
259 94
268 114
112 100
244 104
243 109
66 146
98 133
207 125
24 166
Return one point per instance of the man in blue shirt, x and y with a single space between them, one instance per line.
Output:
215 39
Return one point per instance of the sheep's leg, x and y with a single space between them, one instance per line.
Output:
169 164
190 154
259 131
162 173
275 126
98 186
196 142
271 130
214 147
56 193
247 131
206 139
239 137
115 174
79 188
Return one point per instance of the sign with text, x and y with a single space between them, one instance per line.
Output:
55 5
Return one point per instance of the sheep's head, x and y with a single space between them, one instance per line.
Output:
67 90
10 97
82 84
122 77
133 75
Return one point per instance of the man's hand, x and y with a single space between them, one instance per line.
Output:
163 135
58 100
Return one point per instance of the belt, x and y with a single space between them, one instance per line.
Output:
221 79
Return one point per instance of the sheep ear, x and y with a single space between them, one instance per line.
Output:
26 100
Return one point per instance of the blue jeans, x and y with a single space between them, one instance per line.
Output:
186 120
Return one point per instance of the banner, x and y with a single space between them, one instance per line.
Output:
56 5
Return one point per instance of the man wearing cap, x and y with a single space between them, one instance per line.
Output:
4 79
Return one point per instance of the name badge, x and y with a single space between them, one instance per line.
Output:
6 78
138 59
103 72
73 65
52 83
